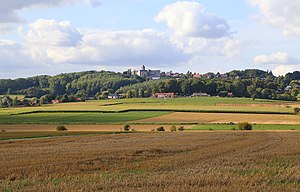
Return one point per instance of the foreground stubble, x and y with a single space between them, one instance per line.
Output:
202 161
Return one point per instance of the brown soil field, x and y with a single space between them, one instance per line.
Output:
40 128
201 161
185 117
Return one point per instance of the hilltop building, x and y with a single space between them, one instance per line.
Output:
149 74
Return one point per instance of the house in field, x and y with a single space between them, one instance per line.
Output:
113 96
164 95
230 94
56 101
200 95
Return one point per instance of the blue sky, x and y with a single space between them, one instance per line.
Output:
56 36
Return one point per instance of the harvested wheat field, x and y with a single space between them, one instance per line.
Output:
185 117
202 161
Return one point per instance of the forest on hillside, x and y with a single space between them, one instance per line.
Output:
99 84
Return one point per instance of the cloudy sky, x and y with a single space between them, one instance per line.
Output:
55 36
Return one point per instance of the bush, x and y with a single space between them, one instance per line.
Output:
181 128
3 130
126 127
244 126
296 110
61 128
173 128
160 129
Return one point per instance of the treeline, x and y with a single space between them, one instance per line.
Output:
248 83
80 84
69 87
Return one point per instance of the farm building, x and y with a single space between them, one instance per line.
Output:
113 96
164 95
200 95
56 101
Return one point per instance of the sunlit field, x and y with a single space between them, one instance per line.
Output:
207 103
205 161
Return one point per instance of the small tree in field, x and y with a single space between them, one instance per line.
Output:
296 110
160 129
173 128
126 128
61 128
181 128
244 126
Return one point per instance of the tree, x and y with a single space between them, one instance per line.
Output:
160 129
104 95
126 128
244 126
61 128
173 128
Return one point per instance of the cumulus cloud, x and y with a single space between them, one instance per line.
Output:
51 46
59 42
284 69
280 13
226 46
275 58
52 33
192 20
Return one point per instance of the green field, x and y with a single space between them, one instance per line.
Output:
208 103
76 118
107 111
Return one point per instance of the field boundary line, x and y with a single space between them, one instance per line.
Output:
152 110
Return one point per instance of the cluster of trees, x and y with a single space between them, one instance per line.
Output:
71 86
248 83
80 84
7 101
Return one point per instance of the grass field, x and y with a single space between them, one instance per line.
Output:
91 112
209 104
77 118
206 161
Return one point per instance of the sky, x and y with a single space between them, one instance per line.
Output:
57 36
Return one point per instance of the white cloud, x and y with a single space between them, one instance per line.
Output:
284 14
59 42
52 33
284 69
275 58
226 46
192 20
51 46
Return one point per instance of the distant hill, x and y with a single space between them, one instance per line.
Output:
238 83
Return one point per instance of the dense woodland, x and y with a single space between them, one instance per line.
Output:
98 84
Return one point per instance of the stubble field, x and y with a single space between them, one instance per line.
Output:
201 161
223 118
